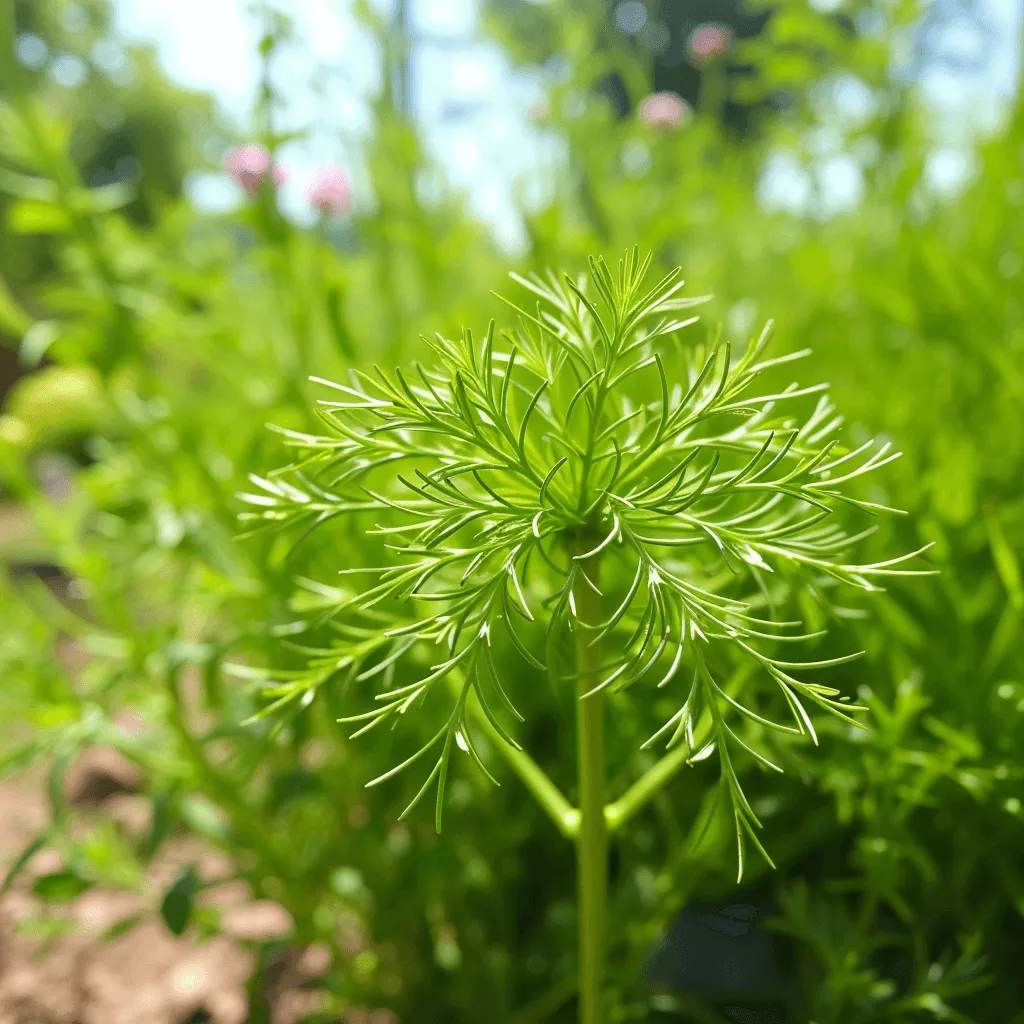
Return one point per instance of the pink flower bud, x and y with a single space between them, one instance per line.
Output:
329 193
250 165
539 111
664 111
708 42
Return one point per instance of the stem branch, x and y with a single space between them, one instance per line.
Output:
548 1004
646 787
536 780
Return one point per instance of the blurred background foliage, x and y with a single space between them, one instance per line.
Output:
152 341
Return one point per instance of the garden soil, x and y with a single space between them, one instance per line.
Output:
69 964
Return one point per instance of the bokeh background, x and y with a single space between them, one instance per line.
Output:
853 169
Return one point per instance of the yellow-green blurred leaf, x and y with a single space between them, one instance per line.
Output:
37 217
13 319
27 186
37 340
57 402
1005 559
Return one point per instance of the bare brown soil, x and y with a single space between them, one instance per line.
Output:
59 965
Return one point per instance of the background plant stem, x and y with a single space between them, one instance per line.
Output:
592 845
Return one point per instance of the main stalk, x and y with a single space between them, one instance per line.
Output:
592 843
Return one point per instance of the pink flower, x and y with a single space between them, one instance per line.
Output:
329 193
250 165
708 42
539 111
664 110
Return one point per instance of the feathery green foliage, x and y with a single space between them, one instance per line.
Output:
489 470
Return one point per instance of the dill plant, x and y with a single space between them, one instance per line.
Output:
620 507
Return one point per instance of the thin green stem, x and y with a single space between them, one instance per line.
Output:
536 780
544 791
713 90
10 72
646 787
548 1004
58 165
592 844
221 789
